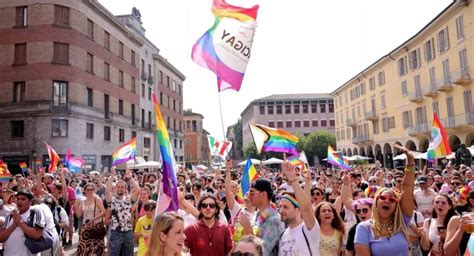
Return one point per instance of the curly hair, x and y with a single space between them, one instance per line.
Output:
336 223
204 197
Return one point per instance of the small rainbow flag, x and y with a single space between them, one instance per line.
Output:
225 47
168 200
300 160
249 175
125 152
439 145
273 140
54 158
73 163
24 167
38 163
336 158
4 173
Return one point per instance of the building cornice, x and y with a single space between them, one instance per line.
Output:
165 62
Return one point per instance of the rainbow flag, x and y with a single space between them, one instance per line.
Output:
249 175
336 158
38 163
125 152
24 167
53 157
73 163
273 140
168 200
4 173
439 145
299 160
225 47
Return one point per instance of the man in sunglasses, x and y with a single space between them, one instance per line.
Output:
424 197
208 237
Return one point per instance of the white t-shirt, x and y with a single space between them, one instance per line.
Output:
48 219
424 202
293 242
15 244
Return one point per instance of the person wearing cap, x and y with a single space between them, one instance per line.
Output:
23 222
266 224
301 237
424 196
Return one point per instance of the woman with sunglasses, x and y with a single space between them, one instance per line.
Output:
167 235
386 231
248 246
456 237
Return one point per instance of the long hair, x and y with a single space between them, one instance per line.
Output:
336 223
451 212
163 224
204 197
397 216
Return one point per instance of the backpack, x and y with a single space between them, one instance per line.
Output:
57 222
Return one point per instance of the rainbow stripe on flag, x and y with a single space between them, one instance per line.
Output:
336 158
225 47
439 145
4 173
300 160
168 201
73 163
273 140
23 167
38 163
125 152
249 175
53 157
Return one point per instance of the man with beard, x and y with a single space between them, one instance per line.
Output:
208 236
424 197
301 237
119 213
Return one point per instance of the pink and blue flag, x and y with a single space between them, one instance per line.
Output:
225 48
73 163
337 159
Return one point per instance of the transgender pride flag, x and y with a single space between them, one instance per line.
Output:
225 48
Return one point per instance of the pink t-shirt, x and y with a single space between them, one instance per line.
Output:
71 198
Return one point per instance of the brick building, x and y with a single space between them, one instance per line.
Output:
196 146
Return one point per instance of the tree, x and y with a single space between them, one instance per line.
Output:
316 144
238 147
251 151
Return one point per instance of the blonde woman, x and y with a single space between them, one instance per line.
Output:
391 215
167 237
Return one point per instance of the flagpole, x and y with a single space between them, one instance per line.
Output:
222 124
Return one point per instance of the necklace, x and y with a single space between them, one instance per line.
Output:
383 229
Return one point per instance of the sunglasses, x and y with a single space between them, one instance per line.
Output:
211 205
399 181
317 194
456 183
359 211
242 254
388 198
373 181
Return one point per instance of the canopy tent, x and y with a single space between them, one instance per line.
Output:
404 157
273 160
358 158
132 163
149 164
254 162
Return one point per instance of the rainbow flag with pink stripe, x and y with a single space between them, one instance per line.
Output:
439 145
300 160
225 48
269 139
336 158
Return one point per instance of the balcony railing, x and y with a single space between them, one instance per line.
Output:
459 121
351 122
446 83
419 129
431 89
371 115
461 76
144 76
362 139
150 79
416 96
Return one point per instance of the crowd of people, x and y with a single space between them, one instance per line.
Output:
370 210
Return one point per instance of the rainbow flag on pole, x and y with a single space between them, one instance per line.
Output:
23 167
168 200
125 152
53 157
337 159
249 175
73 163
225 47
439 145
4 173
273 140
300 160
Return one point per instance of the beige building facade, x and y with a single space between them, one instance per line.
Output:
394 99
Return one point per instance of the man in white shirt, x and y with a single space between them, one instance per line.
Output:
301 237
424 197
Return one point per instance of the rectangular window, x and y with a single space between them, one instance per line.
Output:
332 123
446 72
382 101
404 88
120 78
314 108
460 27
322 108
106 106
143 91
468 105
61 15
271 124
375 126
121 50
296 109
60 93
149 93
59 128
297 124
90 29
305 123
168 81
17 129
443 40
324 123
107 40
150 74
305 109
134 134
435 107
402 66
132 58
429 50
19 91
287 109
450 106
381 77
90 97
279 109
280 124
362 89
61 53
133 114
106 71
261 110
331 107
146 142
160 77
415 59
89 131
417 82
21 17
20 54
372 83
90 63
289 124
463 63
120 107
143 118
132 85
107 133
270 110
121 135
149 121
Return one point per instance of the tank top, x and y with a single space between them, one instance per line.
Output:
330 244
434 237
89 211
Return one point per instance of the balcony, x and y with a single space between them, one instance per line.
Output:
418 130
431 90
150 80
416 96
144 76
371 115
461 76
445 84
351 122
362 139
465 120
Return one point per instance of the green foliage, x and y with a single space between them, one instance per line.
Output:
251 151
316 144
238 138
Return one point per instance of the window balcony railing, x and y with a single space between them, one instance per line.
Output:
461 76
416 96
351 122
371 115
418 129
